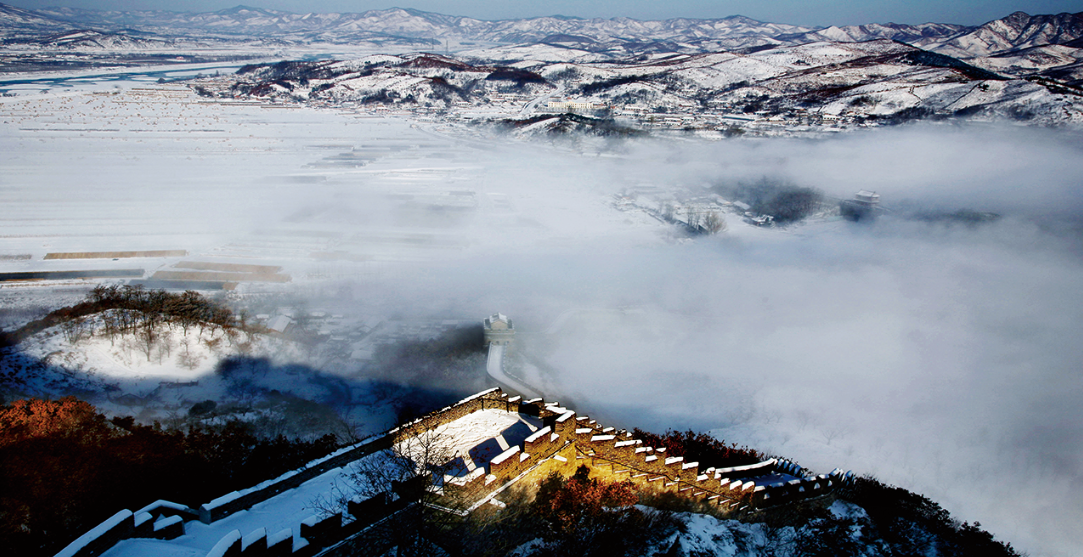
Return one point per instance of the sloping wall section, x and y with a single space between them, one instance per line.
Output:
566 439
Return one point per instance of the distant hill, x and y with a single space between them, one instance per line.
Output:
17 22
1021 66
817 84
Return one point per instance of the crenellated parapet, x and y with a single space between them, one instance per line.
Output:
541 445
793 491
754 486
560 440
492 398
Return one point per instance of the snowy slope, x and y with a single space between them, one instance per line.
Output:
175 357
1016 32
17 22
917 35
880 79
89 40
1019 45
1022 45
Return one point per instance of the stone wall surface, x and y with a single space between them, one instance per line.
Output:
215 510
493 398
118 527
729 488
564 442
109 533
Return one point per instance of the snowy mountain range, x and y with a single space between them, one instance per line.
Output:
1017 45
815 84
17 23
1023 67
1016 31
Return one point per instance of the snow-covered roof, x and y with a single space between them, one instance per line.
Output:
869 196
279 323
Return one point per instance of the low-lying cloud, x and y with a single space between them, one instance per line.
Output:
941 357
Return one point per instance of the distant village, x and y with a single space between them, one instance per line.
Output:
719 118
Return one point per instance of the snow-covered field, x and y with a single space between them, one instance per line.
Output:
940 358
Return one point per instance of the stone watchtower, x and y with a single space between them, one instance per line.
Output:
864 205
498 329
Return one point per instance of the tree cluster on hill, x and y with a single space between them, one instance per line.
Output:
141 308
785 202
584 516
700 447
516 76
115 311
131 309
579 515
898 523
572 123
64 468
606 84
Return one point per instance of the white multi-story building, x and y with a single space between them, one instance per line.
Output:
567 105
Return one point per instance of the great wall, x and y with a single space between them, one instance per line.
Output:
561 441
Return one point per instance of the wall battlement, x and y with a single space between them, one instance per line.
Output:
757 486
564 438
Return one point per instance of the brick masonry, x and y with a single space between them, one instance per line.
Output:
564 442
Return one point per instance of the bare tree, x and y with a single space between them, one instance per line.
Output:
411 471
185 309
75 329
187 360
692 217
668 210
832 431
147 333
714 223
111 325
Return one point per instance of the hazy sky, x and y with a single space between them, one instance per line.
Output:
801 12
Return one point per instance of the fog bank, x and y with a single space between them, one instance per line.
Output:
940 357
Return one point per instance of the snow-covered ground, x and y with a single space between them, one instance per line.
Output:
471 441
175 357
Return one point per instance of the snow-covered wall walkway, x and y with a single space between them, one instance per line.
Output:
495 367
